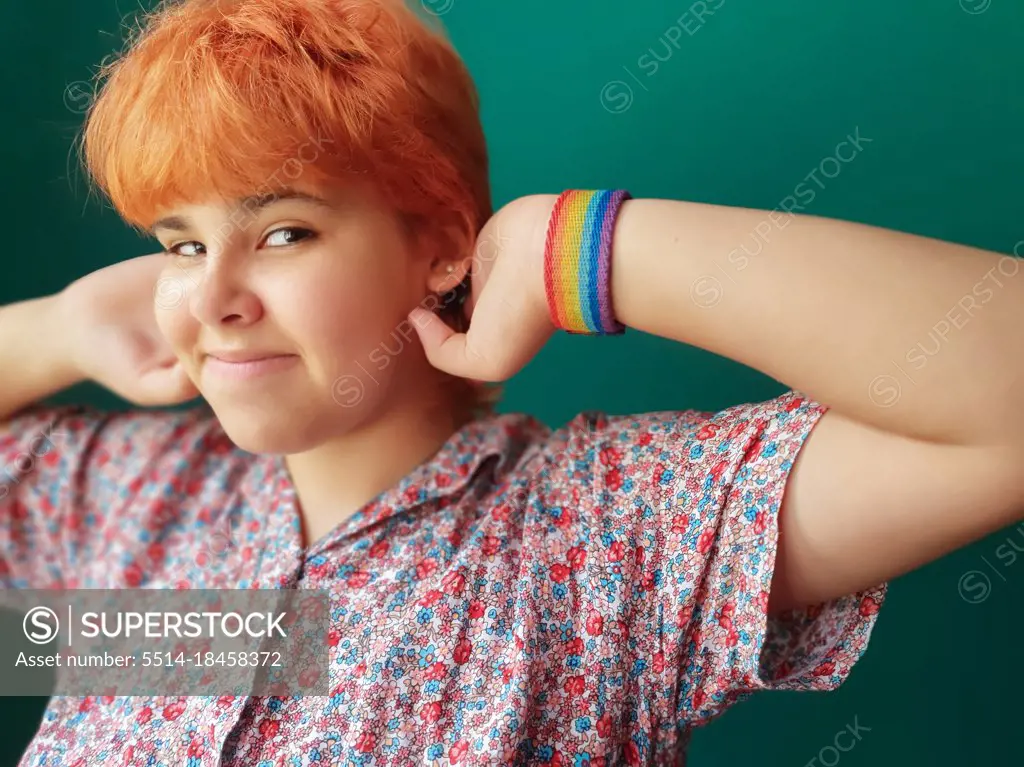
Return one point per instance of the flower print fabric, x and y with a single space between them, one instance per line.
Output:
578 596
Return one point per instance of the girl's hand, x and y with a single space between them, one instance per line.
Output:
509 318
112 334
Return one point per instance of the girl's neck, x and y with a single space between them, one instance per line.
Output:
334 480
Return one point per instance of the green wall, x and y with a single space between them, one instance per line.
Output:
743 106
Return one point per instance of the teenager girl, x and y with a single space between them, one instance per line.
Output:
336 287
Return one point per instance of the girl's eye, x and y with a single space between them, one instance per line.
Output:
189 249
288 235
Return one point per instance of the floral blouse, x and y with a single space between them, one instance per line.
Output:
578 596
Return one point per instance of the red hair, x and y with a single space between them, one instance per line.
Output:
235 97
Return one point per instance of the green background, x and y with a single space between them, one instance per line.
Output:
739 112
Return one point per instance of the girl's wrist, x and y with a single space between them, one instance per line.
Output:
578 261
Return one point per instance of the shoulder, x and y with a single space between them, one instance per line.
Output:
599 467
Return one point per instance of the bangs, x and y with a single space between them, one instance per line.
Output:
214 105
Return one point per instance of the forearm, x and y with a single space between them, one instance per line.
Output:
915 336
32 359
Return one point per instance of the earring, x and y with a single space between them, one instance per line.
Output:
449 268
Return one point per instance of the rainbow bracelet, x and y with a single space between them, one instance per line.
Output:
577 261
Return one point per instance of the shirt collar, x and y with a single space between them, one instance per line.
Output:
497 438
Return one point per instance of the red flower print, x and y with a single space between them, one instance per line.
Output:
225 700
577 556
645 439
623 628
490 545
725 615
318 571
698 698
574 646
133 575
436 672
658 662
366 743
426 568
86 704
559 573
825 669
760 523
269 728
431 598
732 638
794 404
680 523
462 651
333 637
704 541
431 712
358 579
566 517
610 456
458 751
173 710
453 583
708 431
604 725
379 549
737 429
574 685
616 551
613 479
144 715
360 669
868 606
476 609
762 601
595 623
718 470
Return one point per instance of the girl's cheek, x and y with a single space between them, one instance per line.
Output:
177 327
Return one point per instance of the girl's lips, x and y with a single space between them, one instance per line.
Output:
249 369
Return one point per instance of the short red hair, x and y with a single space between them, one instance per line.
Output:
230 97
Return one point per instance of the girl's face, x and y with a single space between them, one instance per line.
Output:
288 312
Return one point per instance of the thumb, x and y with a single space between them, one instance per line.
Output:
445 349
165 385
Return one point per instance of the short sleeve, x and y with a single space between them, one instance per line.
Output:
687 505
68 472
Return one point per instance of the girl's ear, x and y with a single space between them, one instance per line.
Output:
448 266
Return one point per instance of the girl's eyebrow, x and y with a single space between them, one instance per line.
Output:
252 204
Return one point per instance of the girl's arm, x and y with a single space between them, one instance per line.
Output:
916 346
102 328
33 357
